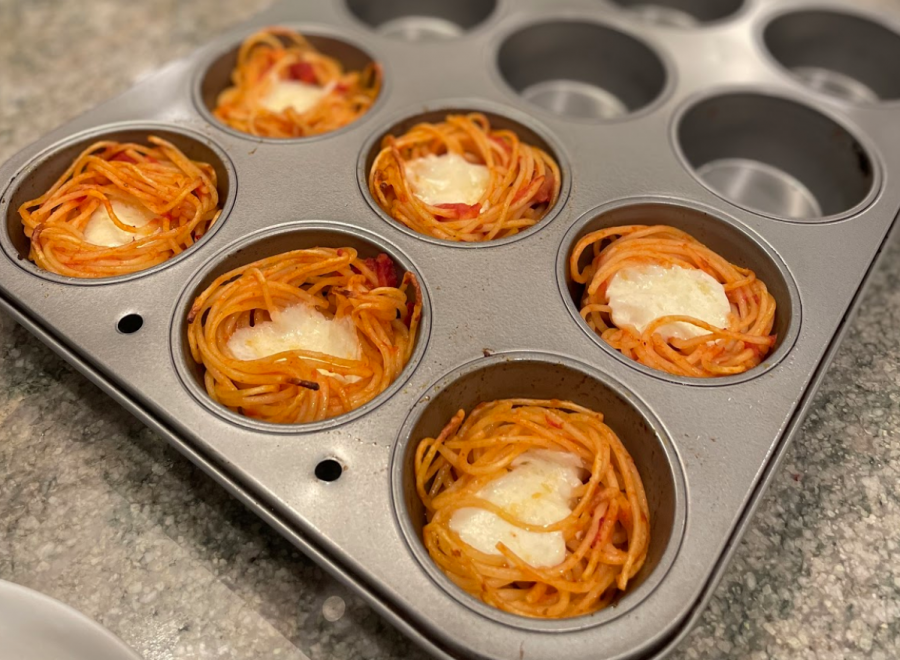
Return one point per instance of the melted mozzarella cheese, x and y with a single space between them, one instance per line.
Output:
538 491
299 327
300 96
101 230
638 295
447 179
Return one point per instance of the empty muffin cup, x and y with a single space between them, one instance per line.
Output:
681 13
841 54
775 156
422 20
581 70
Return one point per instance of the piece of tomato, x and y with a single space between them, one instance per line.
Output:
461 211
123 158
302 71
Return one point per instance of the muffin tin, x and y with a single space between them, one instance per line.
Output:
730 120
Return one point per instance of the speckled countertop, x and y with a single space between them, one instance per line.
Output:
98 512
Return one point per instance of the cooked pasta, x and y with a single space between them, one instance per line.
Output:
356 300
606 533
519 183
284 88
121 208
719 351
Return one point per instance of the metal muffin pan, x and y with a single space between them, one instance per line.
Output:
500 318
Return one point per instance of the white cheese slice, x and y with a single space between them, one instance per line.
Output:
299 327
538 491
101 230
447 179
300 96
640 294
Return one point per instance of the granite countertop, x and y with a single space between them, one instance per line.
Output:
98 512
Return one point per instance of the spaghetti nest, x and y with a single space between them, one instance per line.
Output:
732 350
524 180
606 535
158 179
279 54
299 386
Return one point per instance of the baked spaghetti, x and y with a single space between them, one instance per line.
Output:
462 180
305 335
662 298
533 506
121 208
284 88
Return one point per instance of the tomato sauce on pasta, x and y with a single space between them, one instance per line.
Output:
174 197
606 533
277 55
523 184
723 351
298 386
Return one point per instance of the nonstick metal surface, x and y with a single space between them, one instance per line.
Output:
733 123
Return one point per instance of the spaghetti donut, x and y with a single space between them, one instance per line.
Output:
121 208
517 184
739 344
284 88
603 537
334 293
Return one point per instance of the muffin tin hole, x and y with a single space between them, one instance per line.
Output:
723 237
840 54
41 175
130 323
422 20
774 156
681 13
217 76
539 376
268 243
526 133
328 470
581 70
